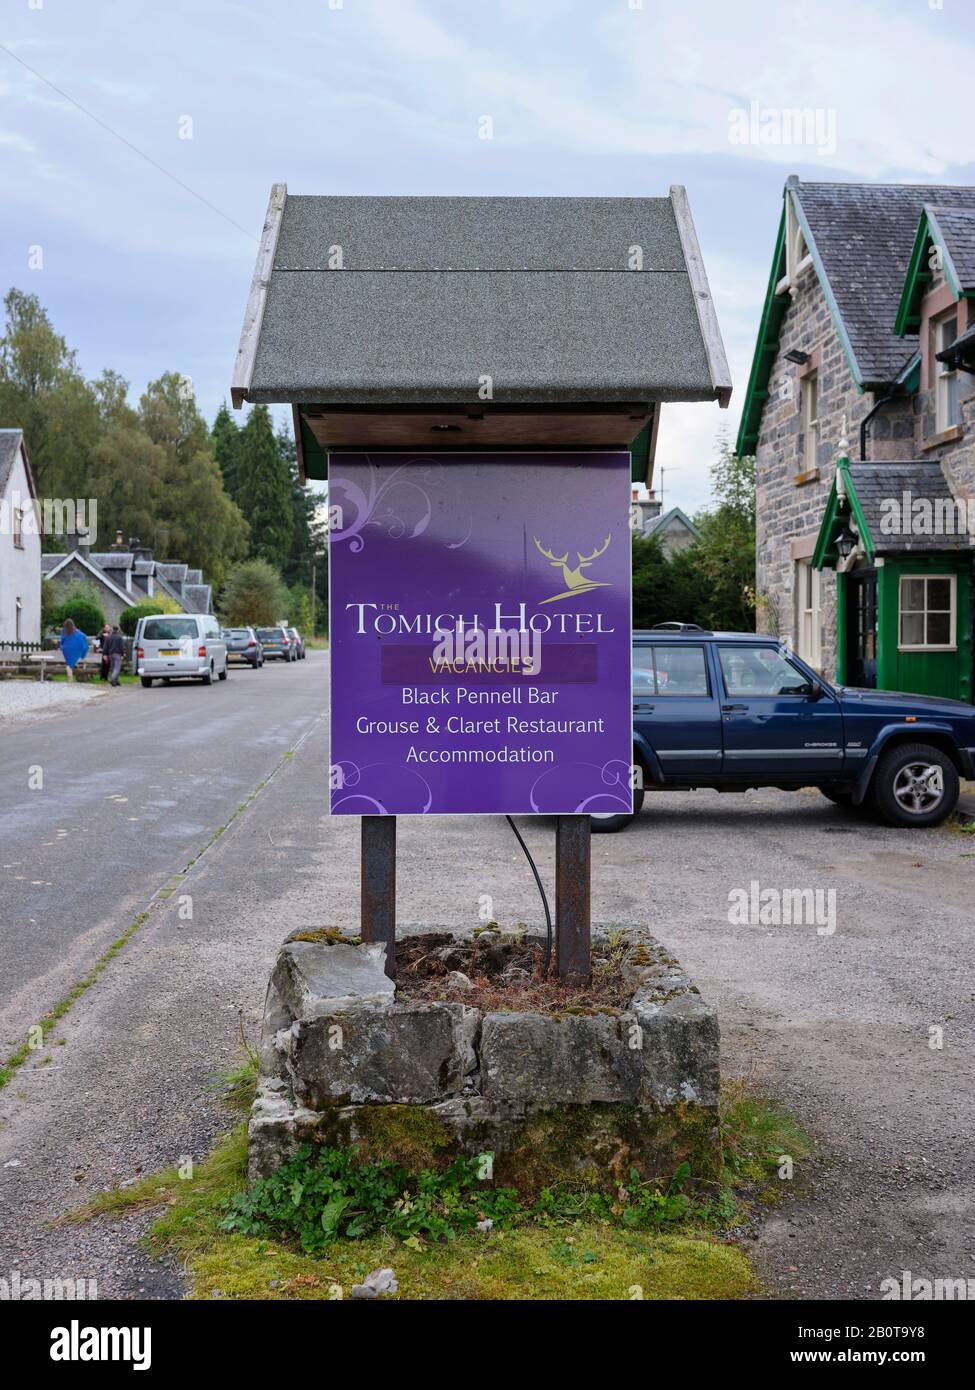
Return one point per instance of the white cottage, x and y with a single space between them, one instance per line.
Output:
20 544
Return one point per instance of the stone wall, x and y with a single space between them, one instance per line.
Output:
582 1093
789 510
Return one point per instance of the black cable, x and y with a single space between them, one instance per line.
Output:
541 889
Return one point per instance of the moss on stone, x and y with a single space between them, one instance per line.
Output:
408 1134
331 936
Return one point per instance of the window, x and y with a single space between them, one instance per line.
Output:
807 613
169 629
946 408
670 670
927 612
760 671
18 525
809 420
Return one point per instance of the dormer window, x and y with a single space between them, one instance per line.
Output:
946 407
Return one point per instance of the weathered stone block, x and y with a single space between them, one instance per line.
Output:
680 1051
572 1059
387 1053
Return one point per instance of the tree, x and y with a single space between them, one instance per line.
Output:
43 393
264 489
195 519
225 437
726 551
146 608
80 603
254 596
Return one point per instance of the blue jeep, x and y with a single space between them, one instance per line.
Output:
734 710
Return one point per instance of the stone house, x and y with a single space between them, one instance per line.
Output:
860 411
673 528
20 544
127 574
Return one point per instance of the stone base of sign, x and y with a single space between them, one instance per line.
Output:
555 1097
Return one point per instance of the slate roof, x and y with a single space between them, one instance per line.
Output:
433 294
663 520
113 559
876 482
9 446
862 235
197 597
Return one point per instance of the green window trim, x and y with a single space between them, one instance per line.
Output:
919 276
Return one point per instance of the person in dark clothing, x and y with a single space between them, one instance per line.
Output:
103 637
115 647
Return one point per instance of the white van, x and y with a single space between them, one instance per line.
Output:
180 646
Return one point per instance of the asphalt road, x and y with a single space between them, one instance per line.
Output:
133 785
837 1025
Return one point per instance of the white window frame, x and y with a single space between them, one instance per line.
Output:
943 374
808 619
809 420
953 622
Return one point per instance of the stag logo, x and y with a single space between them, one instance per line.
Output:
575 581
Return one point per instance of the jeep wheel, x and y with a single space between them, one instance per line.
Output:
602 824
915 785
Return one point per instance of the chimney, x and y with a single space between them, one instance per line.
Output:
83 541
119 542
139 551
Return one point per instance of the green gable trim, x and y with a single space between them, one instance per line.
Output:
765 349
640 455
836 516
773 312
919 274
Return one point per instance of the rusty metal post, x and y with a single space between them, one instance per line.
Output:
572 897
378 885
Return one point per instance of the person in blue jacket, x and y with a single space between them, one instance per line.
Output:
73 644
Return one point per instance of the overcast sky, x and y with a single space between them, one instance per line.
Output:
599 97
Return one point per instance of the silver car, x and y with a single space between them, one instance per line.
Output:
180 646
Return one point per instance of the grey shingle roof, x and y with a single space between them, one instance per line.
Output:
9 445
113 559
434 294
197 597
957 226
863 235
875 483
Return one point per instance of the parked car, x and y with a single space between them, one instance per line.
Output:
734 710
297 643
180 646
243 647
276 643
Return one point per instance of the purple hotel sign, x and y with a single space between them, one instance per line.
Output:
480 633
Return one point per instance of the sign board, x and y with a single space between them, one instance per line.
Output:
479 629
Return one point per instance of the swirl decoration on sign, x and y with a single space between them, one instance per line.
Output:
614 793
387 504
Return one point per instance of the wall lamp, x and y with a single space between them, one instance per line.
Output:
799 358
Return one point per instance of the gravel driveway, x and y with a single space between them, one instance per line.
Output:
19 699
843 1025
